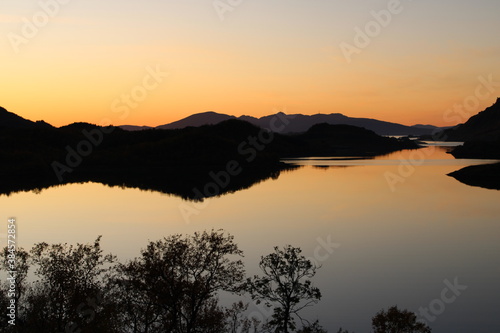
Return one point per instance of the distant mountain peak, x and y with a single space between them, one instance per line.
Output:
209 112
424 126
198 119
298 123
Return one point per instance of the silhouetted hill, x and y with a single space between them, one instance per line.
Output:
429 127
481 134
299 123
12 120
135 128
478 149
43 124
342 133
199 119
346 140
78 127
214 159
484 126
170 161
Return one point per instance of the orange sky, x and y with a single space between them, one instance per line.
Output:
84 58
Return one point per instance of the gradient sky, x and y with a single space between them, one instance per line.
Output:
262 56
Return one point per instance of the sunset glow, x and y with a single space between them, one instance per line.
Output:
67 61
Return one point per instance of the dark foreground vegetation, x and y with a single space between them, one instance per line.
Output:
233 154
173 286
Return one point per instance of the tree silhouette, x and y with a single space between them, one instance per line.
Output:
173 287
397 321
174 284
237 322
285 285
69 292
313 328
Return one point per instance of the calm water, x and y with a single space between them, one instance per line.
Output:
392 242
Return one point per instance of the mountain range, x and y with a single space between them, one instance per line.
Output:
232 155
484 126
296 123
203 141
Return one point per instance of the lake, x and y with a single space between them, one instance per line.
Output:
393 230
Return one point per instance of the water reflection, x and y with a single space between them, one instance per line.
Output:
431 155
394 247
201 182
189 183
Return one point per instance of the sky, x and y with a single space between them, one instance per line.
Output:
152 62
